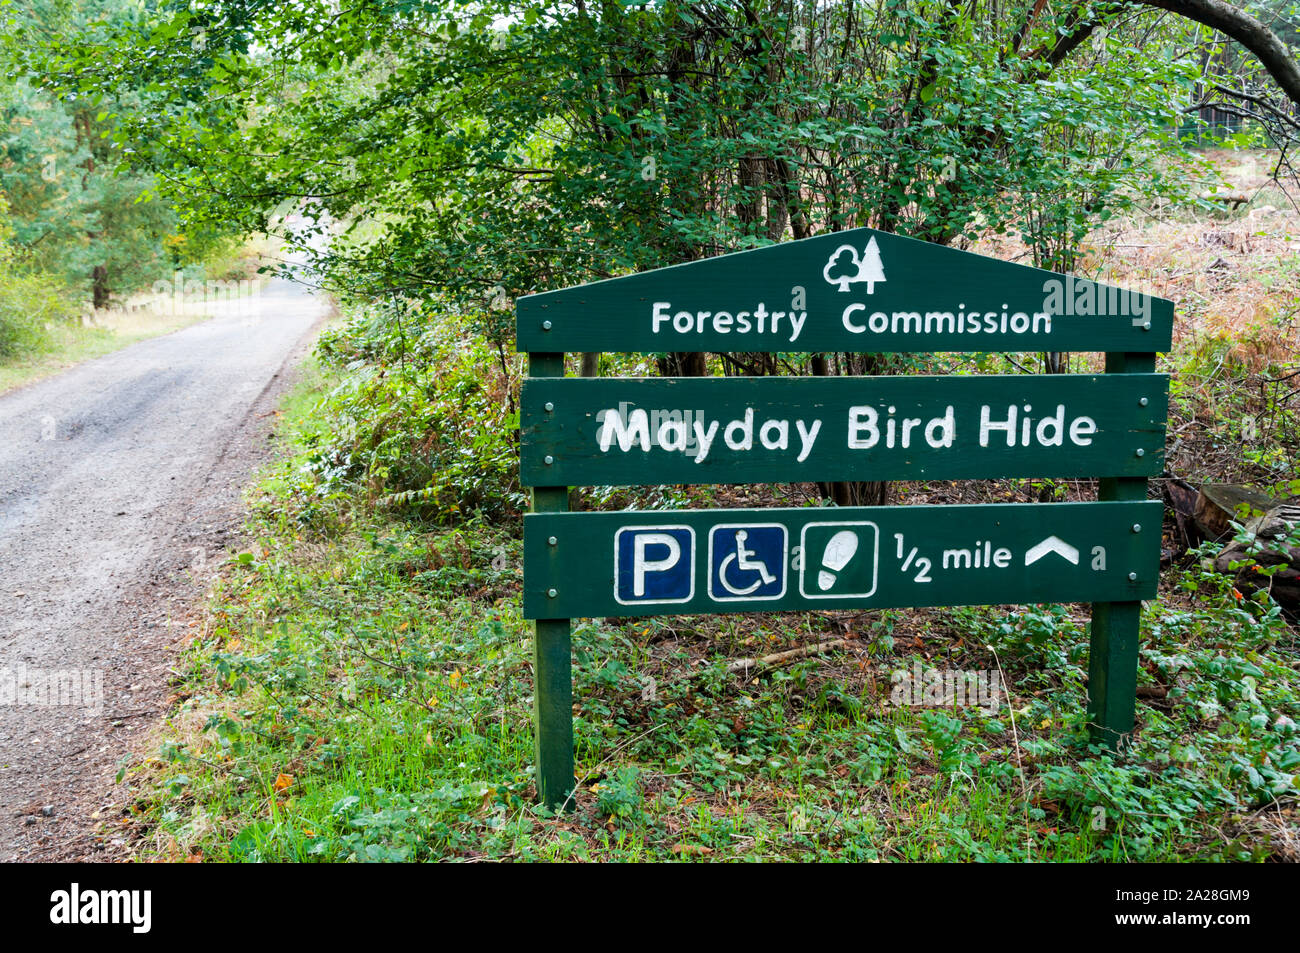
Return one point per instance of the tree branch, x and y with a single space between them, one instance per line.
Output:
1246 30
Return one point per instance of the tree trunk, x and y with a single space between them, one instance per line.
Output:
749 176
99 287
852 492
683 364
855 492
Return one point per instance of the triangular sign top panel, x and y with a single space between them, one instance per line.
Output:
859 291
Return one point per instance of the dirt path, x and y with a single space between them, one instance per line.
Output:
118 479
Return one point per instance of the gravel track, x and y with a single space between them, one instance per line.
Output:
119 488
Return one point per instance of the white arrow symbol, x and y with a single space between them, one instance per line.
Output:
1053 544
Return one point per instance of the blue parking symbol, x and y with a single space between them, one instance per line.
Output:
654 564
747 561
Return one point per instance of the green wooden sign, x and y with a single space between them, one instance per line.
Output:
859 291
712 561
855 291
629 431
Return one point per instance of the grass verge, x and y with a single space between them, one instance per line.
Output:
361 690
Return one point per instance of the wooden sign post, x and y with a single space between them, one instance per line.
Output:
855 291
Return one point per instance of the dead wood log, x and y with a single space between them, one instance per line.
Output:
1269 544
744 665
1218 504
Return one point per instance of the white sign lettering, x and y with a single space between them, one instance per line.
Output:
867 427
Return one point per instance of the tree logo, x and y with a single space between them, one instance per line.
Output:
846 267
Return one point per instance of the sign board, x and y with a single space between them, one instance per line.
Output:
629 431
855 291
714 561
859 291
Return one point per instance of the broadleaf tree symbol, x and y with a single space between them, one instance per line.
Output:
846 267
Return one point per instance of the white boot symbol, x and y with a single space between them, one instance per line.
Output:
838 552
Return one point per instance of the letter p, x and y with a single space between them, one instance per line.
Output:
642 565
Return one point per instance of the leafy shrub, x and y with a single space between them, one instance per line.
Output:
28 301
425 418
27 304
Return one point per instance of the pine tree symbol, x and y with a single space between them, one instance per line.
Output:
842 267
870 269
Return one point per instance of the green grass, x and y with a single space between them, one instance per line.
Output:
361 689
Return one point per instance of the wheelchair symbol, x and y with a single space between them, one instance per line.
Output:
744 560
747 562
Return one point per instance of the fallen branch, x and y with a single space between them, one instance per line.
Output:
780 658
1235 199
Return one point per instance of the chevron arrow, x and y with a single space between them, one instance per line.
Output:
1053 544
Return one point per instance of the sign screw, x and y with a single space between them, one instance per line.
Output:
1132 577
1142 402
552 593
1141 452
546 325
1146 326
1137 527
549 460
550 407
552 541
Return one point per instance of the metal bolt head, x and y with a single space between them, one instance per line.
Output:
1132 577
552 541
546 325
549 460
1142 402
1137 527
552 593
550 407
1146 326
1141 452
